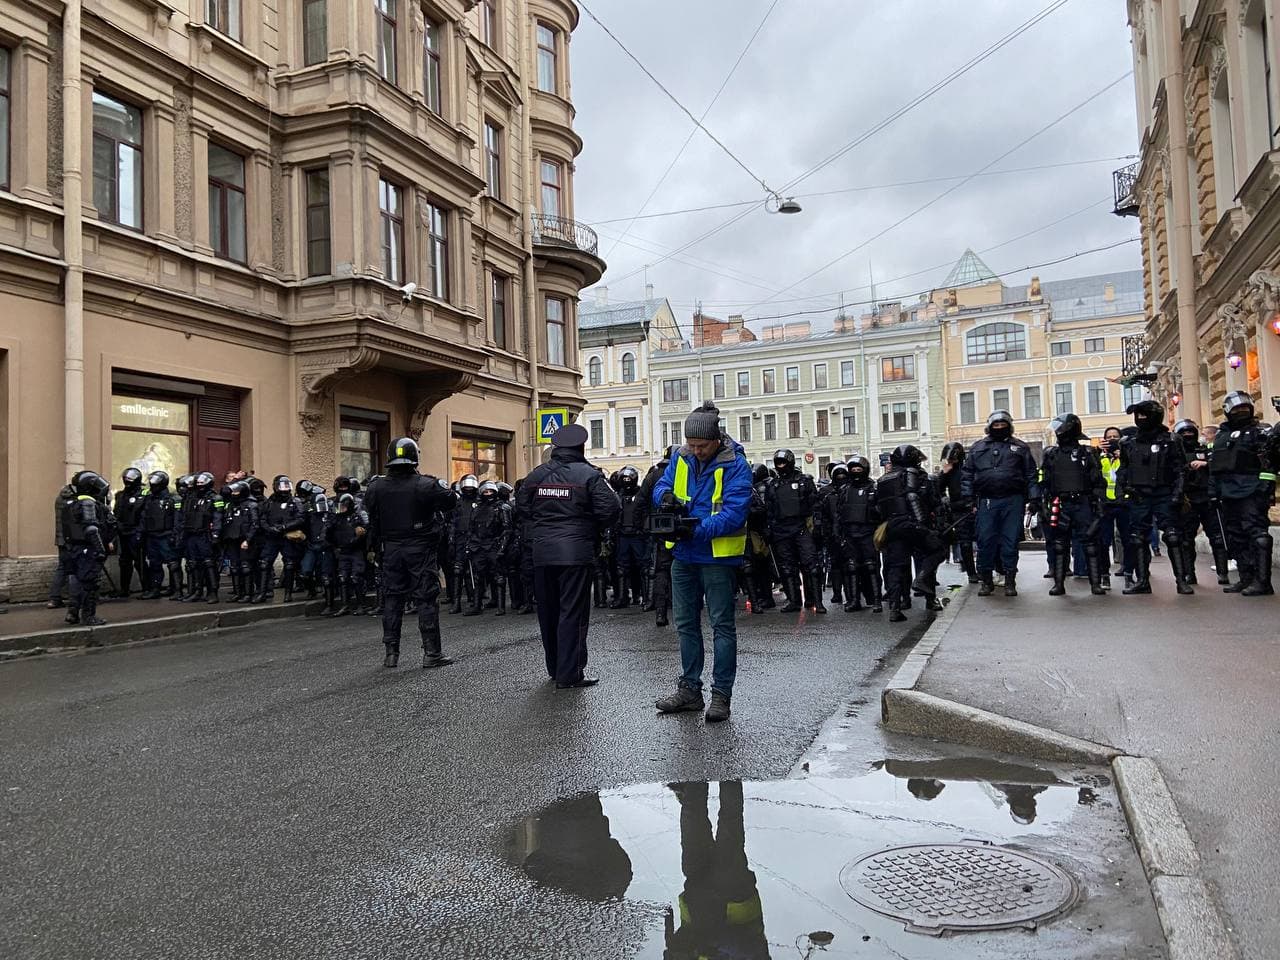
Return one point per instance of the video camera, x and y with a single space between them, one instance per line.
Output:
671 521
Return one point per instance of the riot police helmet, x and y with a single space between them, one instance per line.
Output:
488 491
505 490
469 485
784 460
342 485
859 467
1238 405
305 488
204 480
238 490
256 487
281 484
403 452
953 452
90 484
1000 423
1187 428
184 482
907 455
132 477
1067 427
839 473
158 481
1146 412
760 473
629 477
346 503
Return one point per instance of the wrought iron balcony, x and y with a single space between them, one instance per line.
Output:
1126 181
562 232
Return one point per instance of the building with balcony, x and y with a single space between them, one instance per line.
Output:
274 234
615 343
1207 195
1038 350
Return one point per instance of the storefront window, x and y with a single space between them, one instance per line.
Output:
150 434
486 458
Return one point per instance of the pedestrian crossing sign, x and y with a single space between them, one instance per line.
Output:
551 419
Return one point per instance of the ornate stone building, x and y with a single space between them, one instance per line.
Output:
274 234
1207 192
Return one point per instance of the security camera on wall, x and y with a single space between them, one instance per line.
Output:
407 291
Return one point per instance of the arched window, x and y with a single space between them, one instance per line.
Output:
995 343
628 368
594 372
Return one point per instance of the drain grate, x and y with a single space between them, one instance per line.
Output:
941 887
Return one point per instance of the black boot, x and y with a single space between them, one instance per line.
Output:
312 587
791 583
988 585
1189 561
267 588
895 612
392 659
1261 586
1142 575
501 592
837 587
1094 566
620 598
1011 583
852 594
1221 562
660 618
877 588
1178 565
287 578
211 581
1060 562
813 593
89 611
431 653
967 562
177 586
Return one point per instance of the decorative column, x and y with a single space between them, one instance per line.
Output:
200 186
163 212
368 242
922 374
29 159
346 212
258 183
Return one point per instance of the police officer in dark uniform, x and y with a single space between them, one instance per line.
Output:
523 550
906 502
128 513
1199 509
659 593
792 499
1073 488
828 529
1151 472
631 539
88 527
404 527
460 541
239 527
1243 478
570 503
757 561
198 531
998 477
949 482
856 519
316 568
605 562
159 513
61 572
348 535
490 534
282 518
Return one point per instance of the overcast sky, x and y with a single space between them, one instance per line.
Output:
820 74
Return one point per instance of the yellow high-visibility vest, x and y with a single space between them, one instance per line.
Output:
731 545
1110 467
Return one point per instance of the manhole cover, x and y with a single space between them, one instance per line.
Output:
935 888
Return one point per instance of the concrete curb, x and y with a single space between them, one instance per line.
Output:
152 628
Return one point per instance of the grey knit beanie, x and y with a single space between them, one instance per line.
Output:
703 423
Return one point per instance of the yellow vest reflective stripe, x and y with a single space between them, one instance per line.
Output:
1110 467
731 545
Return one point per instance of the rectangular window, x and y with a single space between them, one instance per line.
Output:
551 189
822 423
1000 400
846 373
819 376
498 309
897 368
489 22
4 118
628 368
768 381
387 69
391 212
744 429
629 432
480 455
793 379
315 31
432 70
223 16
117 161
438 250
968 408
675 391
1060 349
849 421
676 427
1031 407
744 383
150 434
493 158
717 386
360 446
1134 394
770 426
547 38
555 332
1095 345
666 439
226 204
793 425
597 434
318 223
1097 396
1062 401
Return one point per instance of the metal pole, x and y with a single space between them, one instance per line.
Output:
73 243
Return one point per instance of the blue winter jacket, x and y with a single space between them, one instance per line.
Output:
721 536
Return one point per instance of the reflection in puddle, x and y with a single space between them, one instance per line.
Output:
752 870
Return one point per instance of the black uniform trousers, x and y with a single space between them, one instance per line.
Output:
132 557
1245 520
1152 508
564 614
907 541
85 569
1075 520
410 570
794 549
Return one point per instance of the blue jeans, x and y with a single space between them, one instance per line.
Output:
999 531
693 586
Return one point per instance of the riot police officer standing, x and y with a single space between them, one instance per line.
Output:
998 477
792 499
1199 509
1243 477
404 517
487 549
88 527
460 541
757 561
348 535
1151 469
856 519
960 507
159 513
905 500
631 541
239 527
659 593
1073 487
828 530
282 519
201 528
128 513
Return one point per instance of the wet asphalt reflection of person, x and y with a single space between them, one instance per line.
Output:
720 910
574 851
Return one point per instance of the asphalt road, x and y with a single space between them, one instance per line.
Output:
274 792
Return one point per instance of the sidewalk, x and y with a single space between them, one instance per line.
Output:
1191 682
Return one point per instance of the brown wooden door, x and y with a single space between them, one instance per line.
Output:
217 450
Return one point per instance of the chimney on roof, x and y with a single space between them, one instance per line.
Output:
1033 291
1109 292
735 321
602 296
648 291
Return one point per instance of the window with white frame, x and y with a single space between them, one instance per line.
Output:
595 372
849 421
597 434
846 373
555 313
433 67
552 188
1063 401
770 426
717 386
1133 394
793 379
489 22
117 161
899 416
768 381
968 408
548 41
438 250
677 428
676 390
228 232
744 383
1095 345
628 368
1224 150
1061 348
1097 396
744 429
1000 399
493 159
1031 403
498 309
793 425
822 423
893 369
629 433
391 215
996 343
819 376
1260 110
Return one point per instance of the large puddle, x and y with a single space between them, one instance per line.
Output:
752 870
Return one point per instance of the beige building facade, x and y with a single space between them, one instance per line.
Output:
274 234
1207 193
